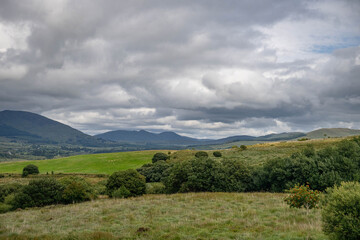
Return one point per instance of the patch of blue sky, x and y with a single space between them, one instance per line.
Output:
344 42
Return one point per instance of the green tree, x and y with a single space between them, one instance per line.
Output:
130 179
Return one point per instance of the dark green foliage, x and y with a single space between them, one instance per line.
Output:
320 169
5 207
201 154
159 157
243 147
121 192
38 193
217 154
30 169
341 211
130 179
2 175
8 189
204 174
76 190
153 172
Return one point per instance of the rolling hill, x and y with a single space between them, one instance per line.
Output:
332 132
34 128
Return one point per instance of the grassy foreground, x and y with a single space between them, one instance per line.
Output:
106 163
179 216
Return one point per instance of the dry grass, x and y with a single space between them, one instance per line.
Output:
179 216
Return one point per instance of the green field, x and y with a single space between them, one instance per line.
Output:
106 163
178 216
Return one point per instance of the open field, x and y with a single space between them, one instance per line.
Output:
106 163
178 216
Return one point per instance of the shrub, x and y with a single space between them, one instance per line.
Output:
159 157
5 207
130 179
153 172
302 196
8 189
38 193
2 175
217 154
243 147
155 188
341 211
76 189
201 154
121 192
30 169
205 174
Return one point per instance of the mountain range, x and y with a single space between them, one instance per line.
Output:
34 128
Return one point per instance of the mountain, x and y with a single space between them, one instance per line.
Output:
143 136
332 132
34 128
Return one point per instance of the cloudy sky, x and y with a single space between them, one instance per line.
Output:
202 68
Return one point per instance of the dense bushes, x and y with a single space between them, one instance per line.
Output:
130 179
341 211
302 196
153 172
205 174
159 157
321 169
38 193
45 191
76 190
30 169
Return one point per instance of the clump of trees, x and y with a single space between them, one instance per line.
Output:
217 154
201 154
129 180
159 157
30 169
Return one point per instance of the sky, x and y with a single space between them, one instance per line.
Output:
201 68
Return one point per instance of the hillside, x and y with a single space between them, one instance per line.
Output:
34 128
143 136
107 163
332 132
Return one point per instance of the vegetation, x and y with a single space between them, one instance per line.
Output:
159 157
201 154
154 172
129 179
76 189
302 196
105 163
30 169
341 211
178 216
217 154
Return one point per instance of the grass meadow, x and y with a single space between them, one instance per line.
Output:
178 216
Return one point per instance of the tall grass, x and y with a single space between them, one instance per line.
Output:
179 216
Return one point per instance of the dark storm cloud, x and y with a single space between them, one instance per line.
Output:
203 68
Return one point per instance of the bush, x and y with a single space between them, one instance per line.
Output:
130 179
121 192
243 147
38 193
8 189
5 207
341 211
205 174
159 157
76 189
201 154
155 188
153 172
30 169
2 175
217 154
302 196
